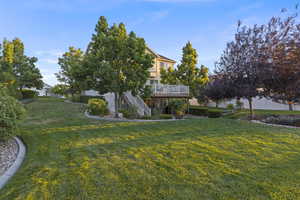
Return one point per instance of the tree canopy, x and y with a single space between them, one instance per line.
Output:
72 72
117 61
187 72
17 68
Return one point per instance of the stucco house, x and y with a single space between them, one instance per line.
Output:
160 92
159 63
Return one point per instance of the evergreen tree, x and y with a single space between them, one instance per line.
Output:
117 61
187 73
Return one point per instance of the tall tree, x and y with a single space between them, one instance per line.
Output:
117 61
187 72
281 60
16 66
240 63
72 71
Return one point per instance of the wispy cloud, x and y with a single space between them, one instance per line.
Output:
49 60
71 5
159 15
49 53
151 17
179 1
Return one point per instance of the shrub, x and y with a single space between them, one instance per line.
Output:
97 107
85 99
178 107
165 116
214 114
130 112
198 111
29 94
10 112
157 117
230 106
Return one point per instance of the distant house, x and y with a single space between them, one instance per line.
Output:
159 63
159 90
45 91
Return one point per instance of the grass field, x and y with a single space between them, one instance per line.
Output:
71 157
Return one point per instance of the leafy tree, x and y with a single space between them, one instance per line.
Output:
72 71
187 73
168 76
17 67
280 60
117 61
60 89
216 90
240 63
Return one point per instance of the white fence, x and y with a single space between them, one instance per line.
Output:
159 90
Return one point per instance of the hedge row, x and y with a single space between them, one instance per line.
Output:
211 113
85 99
29 94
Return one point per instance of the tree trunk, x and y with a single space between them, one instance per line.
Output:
251 108
290 106
217 104
116 105
188 105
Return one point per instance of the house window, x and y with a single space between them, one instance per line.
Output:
164 65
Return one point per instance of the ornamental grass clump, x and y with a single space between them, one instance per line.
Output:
10 112
97 107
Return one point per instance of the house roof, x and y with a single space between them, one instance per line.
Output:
165 58
160 56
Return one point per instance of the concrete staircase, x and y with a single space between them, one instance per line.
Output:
110 99
138 102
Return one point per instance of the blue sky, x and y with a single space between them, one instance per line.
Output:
49 27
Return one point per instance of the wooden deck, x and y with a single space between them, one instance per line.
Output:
170 91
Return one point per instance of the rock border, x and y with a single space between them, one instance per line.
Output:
274 125
8 174
128 120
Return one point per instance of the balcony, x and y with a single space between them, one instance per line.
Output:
166 91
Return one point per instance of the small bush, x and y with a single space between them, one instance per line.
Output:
85 99
165 116
157 117
214 114
29 94
10 112
97 107
130 112
178 107
230 106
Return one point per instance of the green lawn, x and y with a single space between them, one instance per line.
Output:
71 157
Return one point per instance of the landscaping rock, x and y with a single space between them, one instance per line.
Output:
288 120
8 153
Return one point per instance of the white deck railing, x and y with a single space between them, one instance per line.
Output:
159 90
